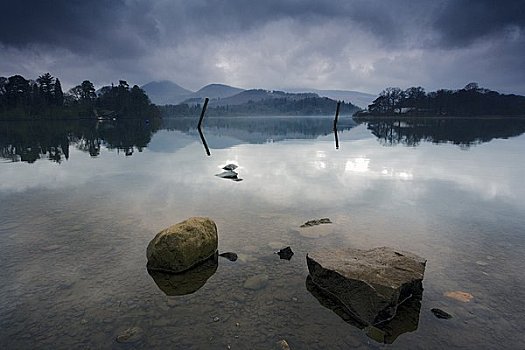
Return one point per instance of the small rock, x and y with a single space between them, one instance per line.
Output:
283 345
130 335
316 222
229 255
216 319
237 324
256 282
441 314
285 253
460 296
230 167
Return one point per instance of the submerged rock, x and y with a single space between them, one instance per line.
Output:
183 245
369 284
316 222
459 296
187 282
285 253
441 314
130 335
256 282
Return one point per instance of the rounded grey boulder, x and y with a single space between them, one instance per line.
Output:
183 245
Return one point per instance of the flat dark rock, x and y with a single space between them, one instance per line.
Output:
441 314
371 284
316 222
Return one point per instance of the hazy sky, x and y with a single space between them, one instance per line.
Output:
357 45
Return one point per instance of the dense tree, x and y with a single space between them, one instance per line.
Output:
17 91
46 85
44 98
469 101
58 94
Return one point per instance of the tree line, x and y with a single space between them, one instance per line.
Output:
43 98
469 101
308 106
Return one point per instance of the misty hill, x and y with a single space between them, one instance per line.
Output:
263 103
360 99
213 91
166 92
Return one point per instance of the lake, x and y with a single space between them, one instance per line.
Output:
80 201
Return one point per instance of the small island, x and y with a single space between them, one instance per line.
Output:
471 101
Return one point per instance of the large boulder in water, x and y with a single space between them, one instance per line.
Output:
183 245
369 284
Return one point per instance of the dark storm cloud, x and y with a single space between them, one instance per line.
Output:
463 22
94 27
360 44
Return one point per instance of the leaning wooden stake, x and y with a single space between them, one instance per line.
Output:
204 111
200 124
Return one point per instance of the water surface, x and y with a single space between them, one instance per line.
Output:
79 203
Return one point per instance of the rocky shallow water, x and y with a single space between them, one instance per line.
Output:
73 240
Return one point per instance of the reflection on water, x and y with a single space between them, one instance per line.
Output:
459 131
187 282
73 235
406 319
29 141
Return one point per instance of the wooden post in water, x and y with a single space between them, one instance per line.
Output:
335 124
203 112
200 124
336 114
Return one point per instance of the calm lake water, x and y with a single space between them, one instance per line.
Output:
80 201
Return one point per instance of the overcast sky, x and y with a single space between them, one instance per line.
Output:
325 44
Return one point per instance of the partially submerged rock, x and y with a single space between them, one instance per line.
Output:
230 167
441 314
285 253
316 222
369 284
183 245
229 255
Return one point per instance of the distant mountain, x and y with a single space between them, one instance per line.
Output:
213 91
166 92
360 99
